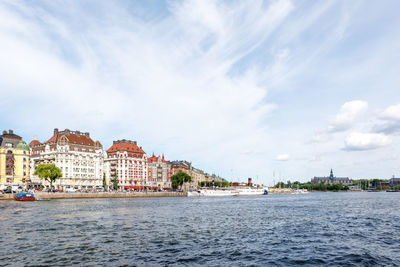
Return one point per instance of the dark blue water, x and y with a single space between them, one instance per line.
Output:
351 229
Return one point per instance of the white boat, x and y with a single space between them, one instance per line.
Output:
212 193
251 191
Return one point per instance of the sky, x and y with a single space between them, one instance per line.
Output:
274 90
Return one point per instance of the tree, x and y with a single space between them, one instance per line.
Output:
104 181
115 183
48 172
180 178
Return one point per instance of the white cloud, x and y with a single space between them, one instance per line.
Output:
347 115
366 141
165 83
282 157
391 113
388 120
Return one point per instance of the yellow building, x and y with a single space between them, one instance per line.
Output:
14 160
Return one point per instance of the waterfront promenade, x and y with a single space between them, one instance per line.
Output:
47 196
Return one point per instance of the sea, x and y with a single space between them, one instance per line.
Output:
346 229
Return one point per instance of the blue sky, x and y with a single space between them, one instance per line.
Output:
240 88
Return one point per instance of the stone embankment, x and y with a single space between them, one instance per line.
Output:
46 196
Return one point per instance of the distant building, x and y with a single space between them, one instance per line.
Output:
331 179
14 160
79 157
394 182
127 163
159 172
197 175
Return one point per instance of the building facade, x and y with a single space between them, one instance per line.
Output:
197 175
126 163
80 159
14 160
331 179
159 172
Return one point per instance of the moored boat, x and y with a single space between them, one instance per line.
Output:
221 192
24 197
251 191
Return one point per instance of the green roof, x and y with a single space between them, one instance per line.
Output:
22 145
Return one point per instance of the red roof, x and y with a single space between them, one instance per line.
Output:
155 159
34 143
125 145
73 137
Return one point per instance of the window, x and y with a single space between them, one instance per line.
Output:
24 158
24 153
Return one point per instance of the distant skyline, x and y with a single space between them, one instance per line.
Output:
239 88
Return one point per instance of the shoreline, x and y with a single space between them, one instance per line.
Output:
48 196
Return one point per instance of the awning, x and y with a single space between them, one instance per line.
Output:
134 187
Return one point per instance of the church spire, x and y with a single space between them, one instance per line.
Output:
331 176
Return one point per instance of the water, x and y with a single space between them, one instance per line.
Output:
350 229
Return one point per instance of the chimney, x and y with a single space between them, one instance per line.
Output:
55 131
78 133
10 131
4 132
87 134
135 142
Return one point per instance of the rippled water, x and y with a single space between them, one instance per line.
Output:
275 230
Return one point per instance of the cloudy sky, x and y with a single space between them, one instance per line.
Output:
239 88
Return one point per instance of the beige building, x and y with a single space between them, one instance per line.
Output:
14 160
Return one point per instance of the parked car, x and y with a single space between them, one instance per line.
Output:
8 191
70 190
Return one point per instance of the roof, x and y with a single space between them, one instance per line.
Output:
125 145
72 137
334 178
156 159
9 137
22 145
34 143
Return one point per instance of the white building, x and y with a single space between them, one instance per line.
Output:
80 159
127 164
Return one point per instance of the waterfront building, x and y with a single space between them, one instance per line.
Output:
197 175
159 172
394 181
80 159
14 160
331 179
126 162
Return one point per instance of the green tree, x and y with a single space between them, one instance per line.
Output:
104 181
179 179
115 183
48 172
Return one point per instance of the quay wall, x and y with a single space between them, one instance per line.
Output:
45 195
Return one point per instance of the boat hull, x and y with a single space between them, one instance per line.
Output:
212 193
251 192
25 199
